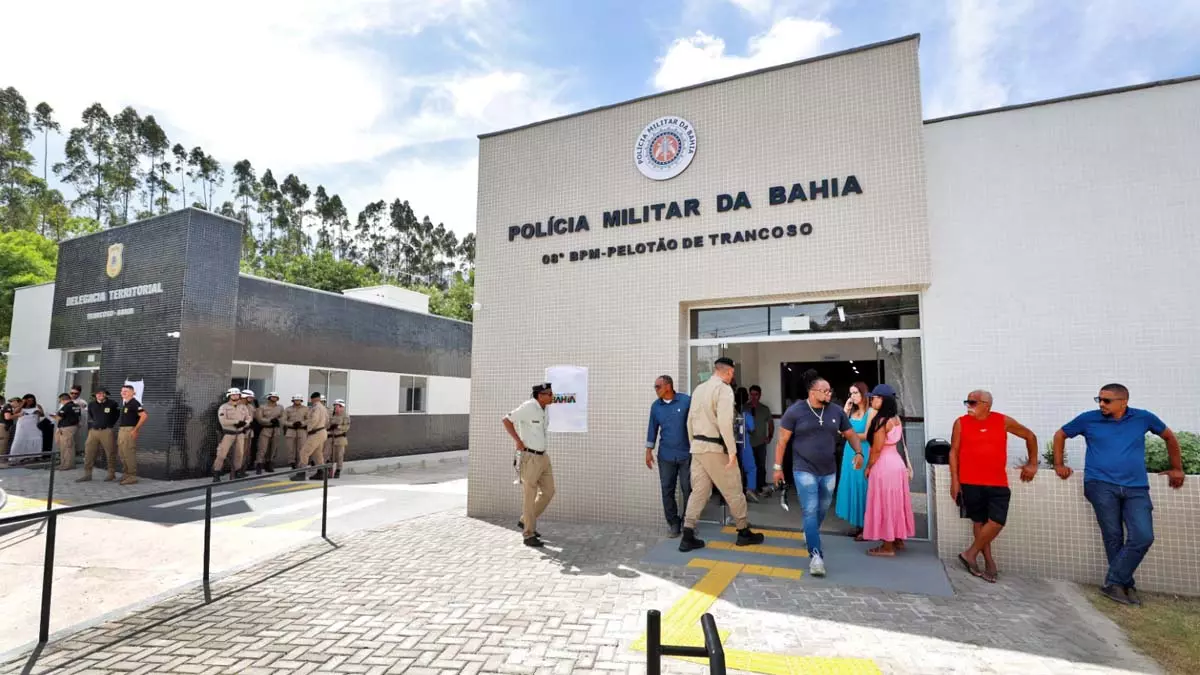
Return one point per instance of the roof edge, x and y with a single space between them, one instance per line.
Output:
760 71
351 298
1072 97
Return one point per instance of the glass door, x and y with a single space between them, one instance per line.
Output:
900 362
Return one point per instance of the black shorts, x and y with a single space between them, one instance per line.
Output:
986 502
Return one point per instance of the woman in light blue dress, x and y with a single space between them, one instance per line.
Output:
852 487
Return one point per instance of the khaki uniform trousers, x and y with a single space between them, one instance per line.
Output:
266 446
338 451
328 447
127 448
100 438
709 469
537 481
294 445
228 441
65 437
314 448
3 441
243 449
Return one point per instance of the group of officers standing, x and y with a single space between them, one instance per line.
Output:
309 431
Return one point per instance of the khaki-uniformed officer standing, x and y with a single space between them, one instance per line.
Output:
267 416
67 418
10 421
295 432
527 426
102 417
714 456
129 421
339 424
231 416
314 445
246 438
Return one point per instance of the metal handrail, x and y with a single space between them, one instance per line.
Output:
51 517
655 649
54 455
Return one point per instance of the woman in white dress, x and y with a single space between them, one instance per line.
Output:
28 437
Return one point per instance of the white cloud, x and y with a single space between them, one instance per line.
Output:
445 191
702 57
976 31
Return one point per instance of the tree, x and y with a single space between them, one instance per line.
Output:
43 121
18 185
89 152
181 167
320 270
268 201
291 215
125 171
155 144
457 300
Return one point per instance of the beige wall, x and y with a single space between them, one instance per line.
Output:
624 317
1052 532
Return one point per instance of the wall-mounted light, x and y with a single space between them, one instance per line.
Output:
475 306
842 314
173 334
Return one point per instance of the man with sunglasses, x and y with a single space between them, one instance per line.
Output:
1115 481
668 427
527 425
979 474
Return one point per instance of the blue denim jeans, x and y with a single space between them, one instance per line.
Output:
815 494
670 473
1126 527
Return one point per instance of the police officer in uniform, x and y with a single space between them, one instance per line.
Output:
101 418
232 419
67 418
318 423
295 423
268 417
714 456
527 426
130 421
339 424
10 421
249 432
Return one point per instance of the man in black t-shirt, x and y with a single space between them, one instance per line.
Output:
814 430
101 419
67 418
130 421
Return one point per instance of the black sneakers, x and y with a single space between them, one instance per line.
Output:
689 542
534 542
521 526
1116 594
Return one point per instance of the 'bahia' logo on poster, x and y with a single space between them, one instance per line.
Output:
665 148
115 260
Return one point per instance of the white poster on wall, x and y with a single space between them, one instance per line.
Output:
138 388
568 413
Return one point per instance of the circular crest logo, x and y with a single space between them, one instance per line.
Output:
665 148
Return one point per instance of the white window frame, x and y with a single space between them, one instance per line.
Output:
68 369
259 395
405 379
325 389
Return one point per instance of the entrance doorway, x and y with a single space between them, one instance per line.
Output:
776 360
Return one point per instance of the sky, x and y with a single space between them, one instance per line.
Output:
384 99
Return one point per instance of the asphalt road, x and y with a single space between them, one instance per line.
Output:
354 501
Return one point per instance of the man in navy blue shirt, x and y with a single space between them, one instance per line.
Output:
1115 481
668 425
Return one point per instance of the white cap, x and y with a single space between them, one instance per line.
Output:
297 397
273 395
248 392
233 391
339 402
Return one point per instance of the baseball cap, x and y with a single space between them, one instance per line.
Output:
884 390
233 391
339 402
541 387
273 395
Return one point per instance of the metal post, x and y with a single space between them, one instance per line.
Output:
48 578
207 539
50 492
324 501
712 644
653 642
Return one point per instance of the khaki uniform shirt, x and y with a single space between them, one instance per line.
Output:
229 414
342 421
711 415
266 414
531 420
318 417
293 414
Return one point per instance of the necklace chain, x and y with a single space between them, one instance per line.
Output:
821 417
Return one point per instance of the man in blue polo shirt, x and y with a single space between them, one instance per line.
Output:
668 425
1115 481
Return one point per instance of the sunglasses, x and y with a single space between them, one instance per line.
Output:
970 403
1105 400
657 387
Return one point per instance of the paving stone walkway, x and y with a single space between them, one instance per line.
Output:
449 594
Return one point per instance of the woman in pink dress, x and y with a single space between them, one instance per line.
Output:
889 516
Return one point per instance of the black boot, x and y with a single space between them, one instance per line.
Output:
319 475
748 538
293 465
270 467
216 476
689 542
337 473
241 473
297 476
258 469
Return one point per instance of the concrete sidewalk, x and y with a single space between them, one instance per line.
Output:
446 593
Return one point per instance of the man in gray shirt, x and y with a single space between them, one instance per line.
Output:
814 431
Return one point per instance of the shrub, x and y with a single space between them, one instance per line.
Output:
1189 445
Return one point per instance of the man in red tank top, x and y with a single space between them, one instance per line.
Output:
979 474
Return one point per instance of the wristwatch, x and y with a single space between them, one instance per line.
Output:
778 468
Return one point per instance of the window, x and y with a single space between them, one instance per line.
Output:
256 377
85 358
886 313
331 383
412 394
83 370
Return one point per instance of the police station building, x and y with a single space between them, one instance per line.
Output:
808 216
160 303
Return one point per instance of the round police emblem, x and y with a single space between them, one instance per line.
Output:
665 148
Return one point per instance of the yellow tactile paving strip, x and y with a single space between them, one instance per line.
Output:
764 549
681 623
773 534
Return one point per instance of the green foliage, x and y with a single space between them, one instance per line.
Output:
26 258
320 270
1156 453
454 302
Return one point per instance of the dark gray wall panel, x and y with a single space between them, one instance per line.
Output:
373 436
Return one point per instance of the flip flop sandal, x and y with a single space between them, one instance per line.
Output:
881 552
987 576
970 568
859 537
